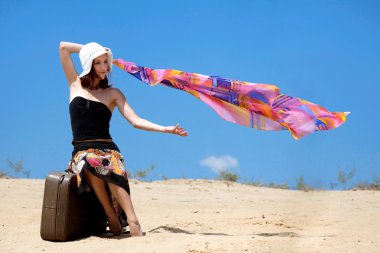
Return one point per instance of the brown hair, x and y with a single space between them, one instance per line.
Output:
88 80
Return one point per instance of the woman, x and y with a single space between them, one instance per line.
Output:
96 158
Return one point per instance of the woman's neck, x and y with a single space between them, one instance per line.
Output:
95 84
94 88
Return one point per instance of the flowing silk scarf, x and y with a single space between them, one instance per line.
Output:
260 106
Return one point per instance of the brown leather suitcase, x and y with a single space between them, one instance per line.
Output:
67 215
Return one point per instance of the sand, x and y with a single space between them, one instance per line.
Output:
196 216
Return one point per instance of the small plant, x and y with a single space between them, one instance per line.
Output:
3 174
301 185
227 176
256 183
280 186
343 178
142 174
17 169
373 186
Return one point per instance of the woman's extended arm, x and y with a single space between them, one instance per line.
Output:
65 49
141 123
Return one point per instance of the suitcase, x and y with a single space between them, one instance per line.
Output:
67 215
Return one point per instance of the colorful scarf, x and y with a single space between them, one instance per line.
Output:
249 104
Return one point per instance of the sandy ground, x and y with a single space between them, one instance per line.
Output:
196 216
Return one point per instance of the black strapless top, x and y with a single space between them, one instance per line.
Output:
89 119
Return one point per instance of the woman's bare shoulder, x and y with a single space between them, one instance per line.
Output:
115 92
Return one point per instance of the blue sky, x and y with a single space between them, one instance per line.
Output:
326 52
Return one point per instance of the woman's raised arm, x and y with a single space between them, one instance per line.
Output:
65 49
141 123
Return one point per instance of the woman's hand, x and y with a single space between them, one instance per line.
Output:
175 130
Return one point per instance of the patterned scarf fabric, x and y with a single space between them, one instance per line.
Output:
260 106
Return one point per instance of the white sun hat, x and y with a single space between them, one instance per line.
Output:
89 52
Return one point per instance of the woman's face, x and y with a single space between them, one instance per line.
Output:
101 66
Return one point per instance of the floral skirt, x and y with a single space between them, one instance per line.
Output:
102 159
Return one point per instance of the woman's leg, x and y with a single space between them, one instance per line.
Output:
99 187
125 202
